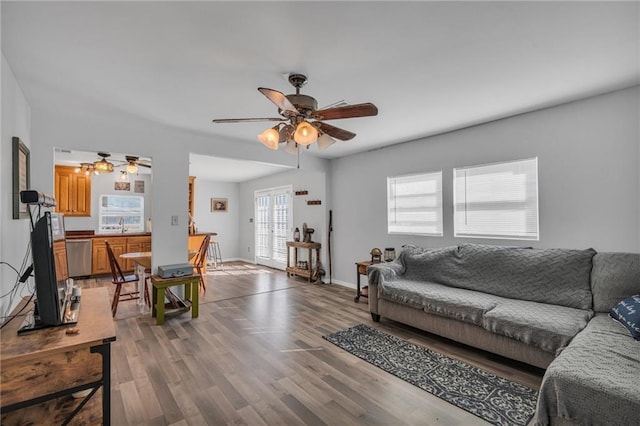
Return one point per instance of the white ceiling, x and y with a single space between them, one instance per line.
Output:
430 67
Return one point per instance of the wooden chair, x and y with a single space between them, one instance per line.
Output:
119 279
200 262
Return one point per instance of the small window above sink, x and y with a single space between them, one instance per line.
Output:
121 214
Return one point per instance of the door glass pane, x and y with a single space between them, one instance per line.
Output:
280 227
262 226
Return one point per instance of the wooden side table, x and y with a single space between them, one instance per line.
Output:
312 272
361 269
190 283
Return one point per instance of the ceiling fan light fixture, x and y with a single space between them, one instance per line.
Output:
270 137
123 176
325 141
305 133
103 165
132 168
291 147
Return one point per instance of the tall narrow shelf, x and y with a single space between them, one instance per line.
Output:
312 273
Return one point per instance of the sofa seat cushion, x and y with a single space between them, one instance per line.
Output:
464 305
595 379
549 327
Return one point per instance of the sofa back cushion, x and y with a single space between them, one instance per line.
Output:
615 276
556 276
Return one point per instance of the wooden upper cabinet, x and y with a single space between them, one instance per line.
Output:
72 192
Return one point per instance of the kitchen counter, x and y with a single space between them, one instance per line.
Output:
75 235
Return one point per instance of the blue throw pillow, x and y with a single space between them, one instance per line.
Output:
627 312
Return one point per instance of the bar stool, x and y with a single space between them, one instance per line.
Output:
214 254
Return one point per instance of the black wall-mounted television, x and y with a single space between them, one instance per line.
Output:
49 289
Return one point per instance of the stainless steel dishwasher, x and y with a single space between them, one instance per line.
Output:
79 257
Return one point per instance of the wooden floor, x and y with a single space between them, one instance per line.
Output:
256 356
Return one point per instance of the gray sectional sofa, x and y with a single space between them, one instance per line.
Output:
545 307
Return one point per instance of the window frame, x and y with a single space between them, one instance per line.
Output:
527 233
129 225
438 209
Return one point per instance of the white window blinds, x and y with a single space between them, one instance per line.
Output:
497 200
414 204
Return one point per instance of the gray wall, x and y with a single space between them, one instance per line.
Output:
589 184
315 182
16 121
225 224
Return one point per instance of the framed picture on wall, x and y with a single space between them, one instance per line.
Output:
219 205
21 177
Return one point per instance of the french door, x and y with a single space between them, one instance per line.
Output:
273 226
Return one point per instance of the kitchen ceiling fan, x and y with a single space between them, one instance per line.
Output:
300 122
134 162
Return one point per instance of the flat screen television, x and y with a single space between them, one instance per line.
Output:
50 287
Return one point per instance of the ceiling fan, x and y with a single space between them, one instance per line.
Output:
134 162
301 123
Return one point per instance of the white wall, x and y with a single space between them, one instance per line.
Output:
225 224
589 184
315 182
16 121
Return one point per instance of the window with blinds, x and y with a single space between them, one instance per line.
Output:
497 200
414 204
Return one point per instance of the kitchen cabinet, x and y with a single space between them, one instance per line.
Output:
119 245
60 259
134 245
100 257
72 192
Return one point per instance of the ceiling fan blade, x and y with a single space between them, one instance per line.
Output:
279 99
239 120
349 111
333 131
148 166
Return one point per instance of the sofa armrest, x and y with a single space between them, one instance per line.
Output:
377 274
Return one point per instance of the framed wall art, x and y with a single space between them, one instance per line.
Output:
21 177
219 204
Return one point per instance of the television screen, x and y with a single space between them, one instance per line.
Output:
49 290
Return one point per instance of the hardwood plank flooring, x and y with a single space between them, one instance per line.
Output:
256 356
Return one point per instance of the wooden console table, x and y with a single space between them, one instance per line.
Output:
312 272
42 368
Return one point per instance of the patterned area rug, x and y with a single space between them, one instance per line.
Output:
492 398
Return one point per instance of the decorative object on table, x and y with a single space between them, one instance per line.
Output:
138 186
300 122
122 186
21 177
296 235
376 255
389 254
219 205
308 233
483 394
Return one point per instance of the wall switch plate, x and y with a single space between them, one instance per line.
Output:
174 220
